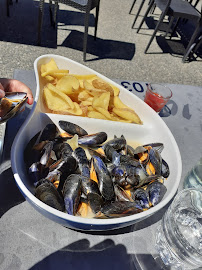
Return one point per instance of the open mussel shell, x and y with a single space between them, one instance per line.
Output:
11 104
72 128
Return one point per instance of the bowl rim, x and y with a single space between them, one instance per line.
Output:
76 219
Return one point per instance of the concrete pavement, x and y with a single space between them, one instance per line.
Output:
118 51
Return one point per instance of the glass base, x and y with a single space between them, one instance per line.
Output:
148 262
166 255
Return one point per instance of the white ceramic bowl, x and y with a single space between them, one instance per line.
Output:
153 130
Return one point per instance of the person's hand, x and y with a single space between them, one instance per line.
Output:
11 85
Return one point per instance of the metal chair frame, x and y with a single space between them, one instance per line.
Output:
167 11
83 5
193 49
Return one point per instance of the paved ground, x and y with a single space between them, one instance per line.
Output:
117 53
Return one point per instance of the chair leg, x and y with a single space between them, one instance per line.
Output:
175 27
198 44
86 23
51 11
7 8
132 6
55 14
156 29
140 8
40 20
189 53
191 42
143 19
169 26
96 20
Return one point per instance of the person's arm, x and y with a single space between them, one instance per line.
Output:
11 85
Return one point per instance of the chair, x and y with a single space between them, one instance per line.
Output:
83 5
174 9
194 43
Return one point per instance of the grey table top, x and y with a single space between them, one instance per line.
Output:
28 240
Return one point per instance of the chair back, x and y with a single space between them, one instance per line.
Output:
79 4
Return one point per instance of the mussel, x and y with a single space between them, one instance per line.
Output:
93 139
119 209
121 194
156 191
142 196
83 163
11 104
47 193
72 128
104 179
72 193
49 133
87 176
117 143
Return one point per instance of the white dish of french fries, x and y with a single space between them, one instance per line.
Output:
141 125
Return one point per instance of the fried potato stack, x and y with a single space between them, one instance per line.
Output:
83 95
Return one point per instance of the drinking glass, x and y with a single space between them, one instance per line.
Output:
179 236
194 177
157 95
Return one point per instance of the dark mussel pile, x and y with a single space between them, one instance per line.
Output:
90 176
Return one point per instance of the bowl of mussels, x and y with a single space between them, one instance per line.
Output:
91 155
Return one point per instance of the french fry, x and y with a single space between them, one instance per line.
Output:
84 77
86 102
119 119
90 108
76 110
116 90
127 114
119 104
51 65
96 92
102 101
84 95
61 95
54 101
100 84
92 90
84 110
87 85
104 112
94 114
50 78
57 73
67 84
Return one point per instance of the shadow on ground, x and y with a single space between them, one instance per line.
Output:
23 29
105 255
100 48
